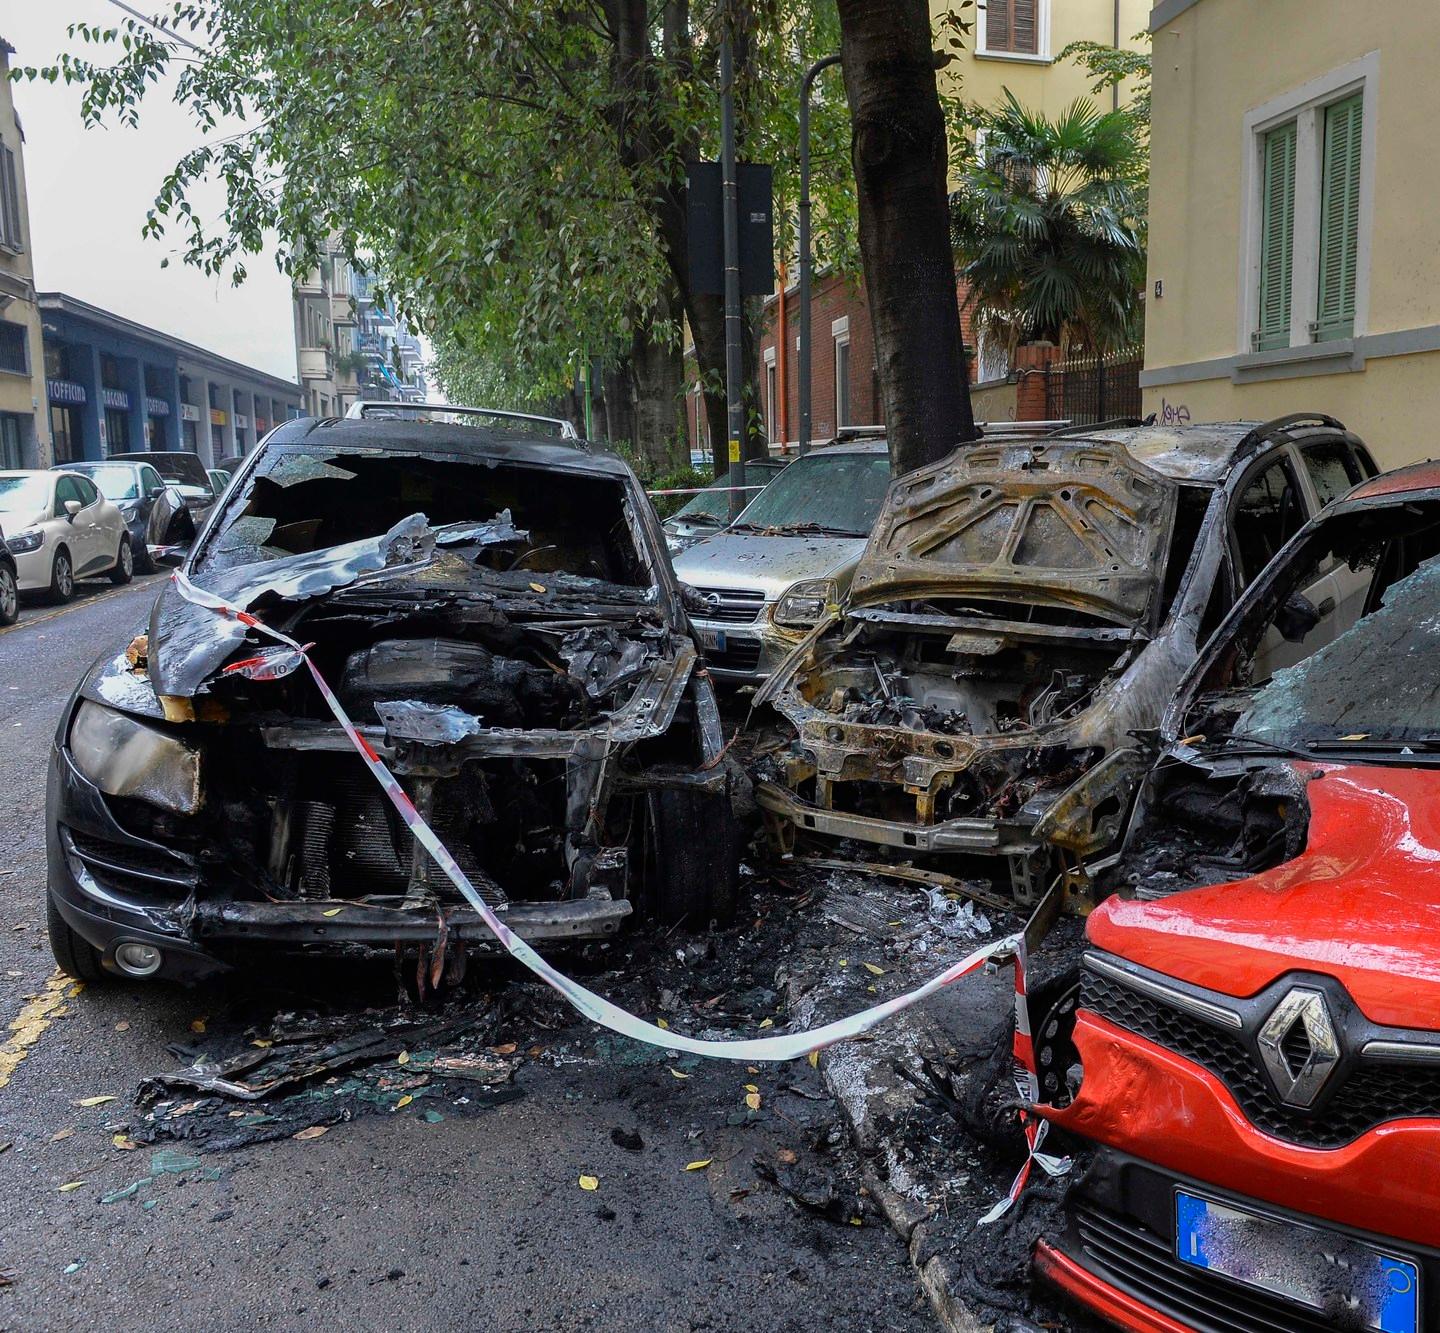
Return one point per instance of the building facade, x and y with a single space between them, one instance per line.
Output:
392 359
1013 45
1275 283
114 386
24 434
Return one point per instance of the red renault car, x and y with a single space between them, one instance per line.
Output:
1254 1079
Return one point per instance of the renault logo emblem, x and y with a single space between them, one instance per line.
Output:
1298 1046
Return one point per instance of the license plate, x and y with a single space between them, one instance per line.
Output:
713 640
1321 1270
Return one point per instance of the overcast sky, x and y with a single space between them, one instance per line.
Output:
89 192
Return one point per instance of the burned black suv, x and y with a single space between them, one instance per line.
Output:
497 612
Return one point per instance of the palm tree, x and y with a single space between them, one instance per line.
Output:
1048 223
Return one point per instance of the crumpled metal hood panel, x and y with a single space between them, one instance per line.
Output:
188 643
1062 522
1359 903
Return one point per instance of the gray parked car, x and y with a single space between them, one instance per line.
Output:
768 578
154 511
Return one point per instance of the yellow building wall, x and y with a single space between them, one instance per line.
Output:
24 395
1042 85
1217 60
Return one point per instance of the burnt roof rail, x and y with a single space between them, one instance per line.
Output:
1284 428
382 408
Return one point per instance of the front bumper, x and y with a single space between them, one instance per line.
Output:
745 653
32 568
1117 1256
112 887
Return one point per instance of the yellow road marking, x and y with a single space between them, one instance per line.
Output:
24 623
37 1015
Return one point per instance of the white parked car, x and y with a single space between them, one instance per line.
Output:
60 528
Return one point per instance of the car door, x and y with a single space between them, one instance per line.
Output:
159 509
99 536
71 529
1269 508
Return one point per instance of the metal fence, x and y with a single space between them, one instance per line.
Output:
1089 389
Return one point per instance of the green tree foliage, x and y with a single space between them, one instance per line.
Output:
505 166
1120 68
1048 225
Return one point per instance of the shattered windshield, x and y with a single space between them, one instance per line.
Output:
831 494
534 521
1378 681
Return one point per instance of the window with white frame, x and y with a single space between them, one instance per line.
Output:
840 330
1019 28
1310 162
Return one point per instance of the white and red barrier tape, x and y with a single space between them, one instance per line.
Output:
278 662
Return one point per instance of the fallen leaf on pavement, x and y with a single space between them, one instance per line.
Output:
94 1101
675 1073
197 1025
124 1142
62 1133
814 1058
122 1026
313 1132
404 1101
538 587
403 1058
786 1157
874 971
752 1100
332 911
70 1185
590 1182
262 1042
661 1023
767 1023
750 1087
700 1165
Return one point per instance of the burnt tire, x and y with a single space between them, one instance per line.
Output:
692 871
62 578
75 955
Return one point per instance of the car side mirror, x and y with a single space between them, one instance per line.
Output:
72 507
1296 618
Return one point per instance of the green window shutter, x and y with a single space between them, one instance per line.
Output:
1339 220
1277 236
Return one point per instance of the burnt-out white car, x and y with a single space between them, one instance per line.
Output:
1020 618
497 612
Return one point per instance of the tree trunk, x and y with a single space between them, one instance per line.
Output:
657 373
898 150
619 402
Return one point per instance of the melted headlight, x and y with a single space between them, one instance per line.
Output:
125 757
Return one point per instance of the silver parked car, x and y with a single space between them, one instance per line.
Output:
768 578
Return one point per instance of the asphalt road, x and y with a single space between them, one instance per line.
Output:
390 1220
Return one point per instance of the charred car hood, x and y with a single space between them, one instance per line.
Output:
1361 903
769 564
1064 523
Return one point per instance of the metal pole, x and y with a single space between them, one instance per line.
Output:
589 398
803 438
734 371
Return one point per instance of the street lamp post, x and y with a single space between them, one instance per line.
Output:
730 211
803 437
